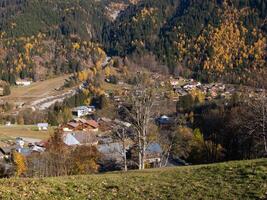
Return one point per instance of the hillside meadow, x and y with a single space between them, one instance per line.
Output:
231 180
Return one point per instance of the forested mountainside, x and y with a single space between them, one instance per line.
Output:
43 38
60 17
38 57
204 39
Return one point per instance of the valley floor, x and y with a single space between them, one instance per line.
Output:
231 180
9 133
39 94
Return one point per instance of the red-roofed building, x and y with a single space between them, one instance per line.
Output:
92 125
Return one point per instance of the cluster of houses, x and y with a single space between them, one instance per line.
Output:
98 133
21 147
183 86
80 131
86 131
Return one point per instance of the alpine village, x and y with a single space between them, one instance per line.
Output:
133 99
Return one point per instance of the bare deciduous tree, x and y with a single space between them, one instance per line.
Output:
120 134
139 113
254 120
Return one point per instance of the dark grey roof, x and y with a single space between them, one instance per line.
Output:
154 148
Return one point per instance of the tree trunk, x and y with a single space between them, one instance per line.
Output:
143 150
167 156
139 152
124 156
265 143
263 124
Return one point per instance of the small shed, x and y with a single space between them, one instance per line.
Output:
42 126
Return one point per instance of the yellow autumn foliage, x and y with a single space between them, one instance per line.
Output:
196 93
76 46
20 162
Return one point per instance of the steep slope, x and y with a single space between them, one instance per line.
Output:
40 56
58 17
65 17
208 40
232 180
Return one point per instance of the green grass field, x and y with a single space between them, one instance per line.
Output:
28 131
232 180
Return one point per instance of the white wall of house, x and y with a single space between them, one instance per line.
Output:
23 83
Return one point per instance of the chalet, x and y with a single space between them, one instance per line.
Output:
153 154
111 151
72 126
42 126
23 82
79 124
83 111
92 125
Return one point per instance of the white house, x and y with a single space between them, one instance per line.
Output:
8 123
83 111
42 126
23 82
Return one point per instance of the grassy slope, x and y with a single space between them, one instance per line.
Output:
233 180
11 132
36 90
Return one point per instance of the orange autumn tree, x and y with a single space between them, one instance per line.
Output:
84 160
20 163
